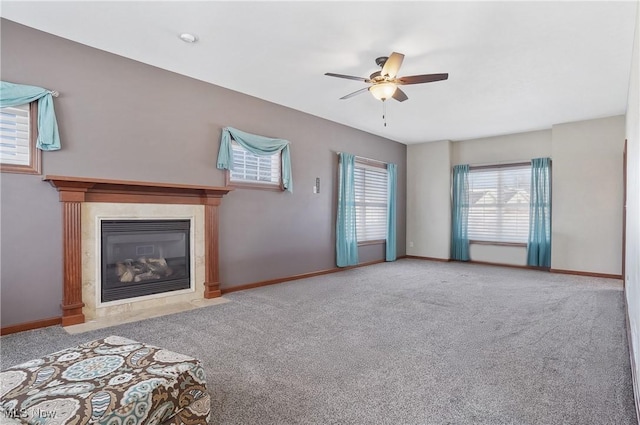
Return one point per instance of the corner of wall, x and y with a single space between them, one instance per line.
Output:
428 199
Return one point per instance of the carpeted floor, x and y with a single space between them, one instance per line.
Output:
411 342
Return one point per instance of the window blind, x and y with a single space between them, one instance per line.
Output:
14 135
499 204
371 202
248 167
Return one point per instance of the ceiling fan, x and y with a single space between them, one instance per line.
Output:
384 83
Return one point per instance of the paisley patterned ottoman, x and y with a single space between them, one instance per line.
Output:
112 381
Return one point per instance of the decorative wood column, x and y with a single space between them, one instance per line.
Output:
76 190
72 198
72 264
212 278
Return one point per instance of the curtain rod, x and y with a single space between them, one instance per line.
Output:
365 158
498 164
501 165
54 93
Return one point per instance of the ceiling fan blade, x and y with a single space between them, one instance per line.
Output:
418 79
348 77
392 65
399 95
355 93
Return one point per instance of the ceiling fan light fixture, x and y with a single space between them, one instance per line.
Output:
383 91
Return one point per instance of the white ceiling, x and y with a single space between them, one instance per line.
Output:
513 66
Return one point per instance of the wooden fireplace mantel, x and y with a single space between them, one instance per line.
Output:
84 189
76 190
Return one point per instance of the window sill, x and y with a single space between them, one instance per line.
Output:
22 169
255 186
250 185
514 244
375 242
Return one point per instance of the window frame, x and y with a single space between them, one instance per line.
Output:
35 154
371 163
279 187
495 167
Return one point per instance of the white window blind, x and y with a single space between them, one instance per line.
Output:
14 135
499 204
371 202
250 168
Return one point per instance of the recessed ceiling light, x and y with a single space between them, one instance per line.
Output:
188 38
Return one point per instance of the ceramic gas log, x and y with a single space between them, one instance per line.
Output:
142 269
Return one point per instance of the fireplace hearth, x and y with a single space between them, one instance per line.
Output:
144 257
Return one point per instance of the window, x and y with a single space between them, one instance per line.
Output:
370 183
18 134
499 203
255 171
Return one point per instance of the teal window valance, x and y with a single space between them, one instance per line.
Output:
257 145
18 94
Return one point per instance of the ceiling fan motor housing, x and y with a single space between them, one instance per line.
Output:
376 76
381 61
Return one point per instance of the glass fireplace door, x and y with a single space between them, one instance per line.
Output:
144 257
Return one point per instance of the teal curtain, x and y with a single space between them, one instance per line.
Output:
539 244
257 145
18 94
391 212
346 240
460 214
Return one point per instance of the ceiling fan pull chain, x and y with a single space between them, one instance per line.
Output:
384 113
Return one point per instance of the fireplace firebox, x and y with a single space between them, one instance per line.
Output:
144 257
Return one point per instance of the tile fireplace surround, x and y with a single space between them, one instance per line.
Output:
104 198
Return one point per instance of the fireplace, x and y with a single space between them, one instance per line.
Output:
85 199
144 257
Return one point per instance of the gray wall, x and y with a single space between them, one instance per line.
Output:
632 265
587 195
122 119
429 199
